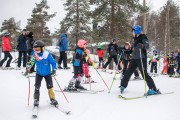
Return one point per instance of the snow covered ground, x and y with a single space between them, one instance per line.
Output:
101 106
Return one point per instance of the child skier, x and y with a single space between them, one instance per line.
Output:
153 60
43 61
139 59
85 66
6 48
127 50
171 62
100 53
78 60
165 68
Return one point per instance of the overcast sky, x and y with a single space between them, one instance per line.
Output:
22 9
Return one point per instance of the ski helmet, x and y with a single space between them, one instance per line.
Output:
38 43
6 33
137 29
155 51
81 43
99 45
87 51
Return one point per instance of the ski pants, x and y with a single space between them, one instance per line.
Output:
63 57
178 69
38 79
29 57
125 63
78 71
24 54
134 63
171 69
101 61
154 67
114 57
6 56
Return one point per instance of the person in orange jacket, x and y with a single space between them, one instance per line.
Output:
6 48
100 53
165 68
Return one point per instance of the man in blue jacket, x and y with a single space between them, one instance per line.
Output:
44 62
63 48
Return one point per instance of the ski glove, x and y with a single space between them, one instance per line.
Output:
53 73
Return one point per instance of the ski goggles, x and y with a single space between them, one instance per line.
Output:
37 49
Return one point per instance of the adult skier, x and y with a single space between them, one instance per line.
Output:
6 48
112 52
139 60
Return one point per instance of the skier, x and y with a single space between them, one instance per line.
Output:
127 50
78 60
153 61
43 61
88 62
165 68
112 52
100 53
171 62
30 42
22 48
178 60
63 48
139 59
6 48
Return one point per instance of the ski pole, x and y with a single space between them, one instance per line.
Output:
143 72
102 78
61 89
114 74
28 89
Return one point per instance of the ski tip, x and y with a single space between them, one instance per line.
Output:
68 112
34 116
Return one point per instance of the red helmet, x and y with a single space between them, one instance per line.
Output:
81 43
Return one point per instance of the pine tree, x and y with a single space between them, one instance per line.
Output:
76 21
37 24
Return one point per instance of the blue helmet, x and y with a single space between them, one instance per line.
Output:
137 29
6 33
155 51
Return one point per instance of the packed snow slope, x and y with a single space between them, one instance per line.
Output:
101 106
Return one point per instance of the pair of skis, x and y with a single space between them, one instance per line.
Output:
81 91
145 95
61 109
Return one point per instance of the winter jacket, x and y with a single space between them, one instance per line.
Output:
63 43
43 62
112 49
178 58
127 53
100 52
30 41
78 57
21 43
140 43
6 45
154 58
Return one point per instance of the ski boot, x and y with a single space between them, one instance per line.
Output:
60 67
54 102
36 102
66 67
153 92
136 77
79 86
122 89
71 87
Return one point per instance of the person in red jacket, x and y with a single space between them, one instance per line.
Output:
100 53
6 48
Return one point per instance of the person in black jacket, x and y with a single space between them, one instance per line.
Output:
22 48
30 41
126 57
112 52
139 59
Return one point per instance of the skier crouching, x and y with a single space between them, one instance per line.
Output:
43 61
78 60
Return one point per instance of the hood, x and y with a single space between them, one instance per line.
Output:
63 35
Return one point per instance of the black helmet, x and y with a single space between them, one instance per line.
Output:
39 43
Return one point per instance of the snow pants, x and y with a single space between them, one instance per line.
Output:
134 63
